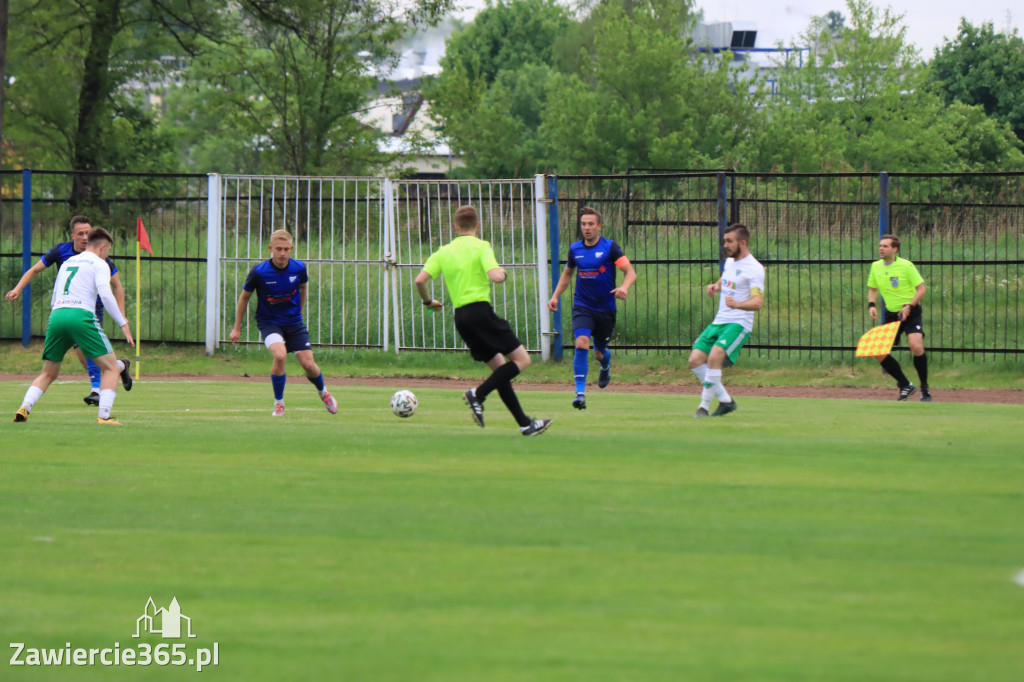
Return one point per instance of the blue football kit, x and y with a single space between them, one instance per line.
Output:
277 292
595 274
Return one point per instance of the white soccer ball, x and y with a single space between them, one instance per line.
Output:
404 403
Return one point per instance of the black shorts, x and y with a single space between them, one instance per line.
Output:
484 332
911 325
599 325
296 336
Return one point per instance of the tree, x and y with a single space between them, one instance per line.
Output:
71 103
492 89
985 68
643 97
282 89
862 101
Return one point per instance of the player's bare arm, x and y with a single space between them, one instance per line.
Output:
563 284
497 275
29 275
872 301
240 308
118 291
755 302
421 286
622 291
919 292
712 289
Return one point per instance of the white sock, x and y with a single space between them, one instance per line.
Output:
31 396
107 396
714 377
120 365
700 372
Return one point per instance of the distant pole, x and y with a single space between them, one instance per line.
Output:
26 254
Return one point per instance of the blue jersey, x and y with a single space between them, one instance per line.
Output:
277 291
595 274
60 253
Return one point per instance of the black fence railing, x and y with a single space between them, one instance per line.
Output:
816 235
172 281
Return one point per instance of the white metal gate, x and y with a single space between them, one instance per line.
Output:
364 241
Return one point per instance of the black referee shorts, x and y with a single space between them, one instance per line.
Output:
911 325
484 332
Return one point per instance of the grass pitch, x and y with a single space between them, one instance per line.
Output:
792 540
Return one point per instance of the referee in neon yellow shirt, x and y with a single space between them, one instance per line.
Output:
469 266
902 289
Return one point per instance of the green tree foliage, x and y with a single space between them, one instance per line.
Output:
493 87
282 88
75 100
862 101
986 68
644 98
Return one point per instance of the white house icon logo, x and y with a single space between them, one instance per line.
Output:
165 622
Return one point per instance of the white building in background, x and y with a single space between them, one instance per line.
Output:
400 110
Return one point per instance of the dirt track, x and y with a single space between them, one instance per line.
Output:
955 395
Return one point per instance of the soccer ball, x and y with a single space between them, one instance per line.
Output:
404 403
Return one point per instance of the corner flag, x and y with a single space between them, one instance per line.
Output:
142 238
877 341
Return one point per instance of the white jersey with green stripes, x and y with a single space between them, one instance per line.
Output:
80 280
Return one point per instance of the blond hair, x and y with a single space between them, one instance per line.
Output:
281 234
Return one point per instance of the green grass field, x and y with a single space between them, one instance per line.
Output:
793 540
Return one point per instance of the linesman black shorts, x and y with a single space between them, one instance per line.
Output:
911 325
484 332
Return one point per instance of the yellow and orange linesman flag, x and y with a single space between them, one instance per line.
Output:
877 341
141 242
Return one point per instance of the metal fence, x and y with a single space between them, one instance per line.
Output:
816 235
364 241
34 216
365 238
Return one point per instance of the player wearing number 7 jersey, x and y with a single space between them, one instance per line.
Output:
73 321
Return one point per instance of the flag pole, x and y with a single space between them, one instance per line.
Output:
138 298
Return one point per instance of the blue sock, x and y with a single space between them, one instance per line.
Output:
94 374
318 382
278 382
606 360
579 369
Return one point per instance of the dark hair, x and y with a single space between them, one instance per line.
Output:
742 233
98 235
466 218
78 220
892 238
586 210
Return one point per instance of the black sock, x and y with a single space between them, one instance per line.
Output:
890 365
511 400
921 365
502 375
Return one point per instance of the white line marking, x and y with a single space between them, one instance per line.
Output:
1019 579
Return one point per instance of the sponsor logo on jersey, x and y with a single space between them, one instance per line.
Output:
895 282
293 278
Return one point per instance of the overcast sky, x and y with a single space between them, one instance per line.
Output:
927 21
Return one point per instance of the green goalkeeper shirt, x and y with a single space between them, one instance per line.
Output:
897 282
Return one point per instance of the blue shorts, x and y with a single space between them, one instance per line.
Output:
294 336
593 323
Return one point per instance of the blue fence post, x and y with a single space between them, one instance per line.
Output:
553 252
723 219
26 254
883 204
